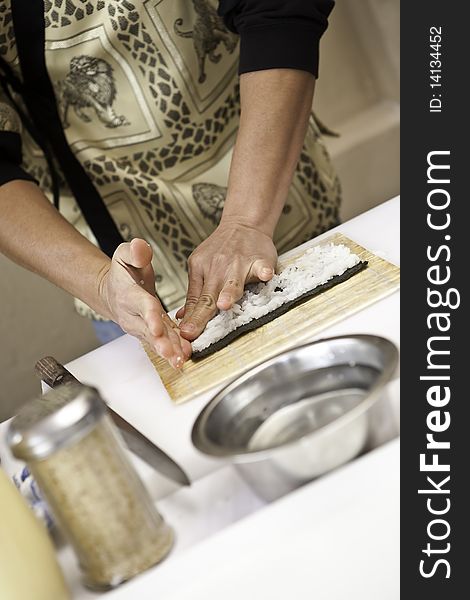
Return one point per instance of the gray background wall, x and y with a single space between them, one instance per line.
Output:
356 95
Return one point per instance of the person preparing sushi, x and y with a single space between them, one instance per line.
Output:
126 116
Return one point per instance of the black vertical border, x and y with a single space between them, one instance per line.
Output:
421 133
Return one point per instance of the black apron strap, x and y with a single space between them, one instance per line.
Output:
39 97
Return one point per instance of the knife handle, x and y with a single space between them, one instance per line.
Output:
52 372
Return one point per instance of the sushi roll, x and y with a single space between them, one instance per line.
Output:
319 269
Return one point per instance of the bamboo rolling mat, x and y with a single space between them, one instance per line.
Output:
295 327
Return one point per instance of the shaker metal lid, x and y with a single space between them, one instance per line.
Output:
55 420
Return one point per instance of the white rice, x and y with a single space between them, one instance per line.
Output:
317 266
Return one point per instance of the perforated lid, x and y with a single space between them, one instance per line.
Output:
55 420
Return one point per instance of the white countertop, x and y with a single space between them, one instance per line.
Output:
336 537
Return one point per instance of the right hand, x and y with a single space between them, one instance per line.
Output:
127 289
233 255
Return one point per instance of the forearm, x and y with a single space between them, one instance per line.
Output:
35 235
275 108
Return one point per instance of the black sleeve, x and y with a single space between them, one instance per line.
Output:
277 33
10 158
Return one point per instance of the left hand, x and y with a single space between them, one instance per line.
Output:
127 291
233 255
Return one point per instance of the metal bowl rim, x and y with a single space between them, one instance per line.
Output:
204 445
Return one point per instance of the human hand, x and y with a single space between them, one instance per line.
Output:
127 289
233 255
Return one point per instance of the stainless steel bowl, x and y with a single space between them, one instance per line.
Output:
299 414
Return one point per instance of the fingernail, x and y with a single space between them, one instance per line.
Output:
266 271
178 363
189 327
225 298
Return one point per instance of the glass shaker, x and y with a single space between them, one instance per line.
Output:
78 460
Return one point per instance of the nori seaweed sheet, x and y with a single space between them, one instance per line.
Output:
255 323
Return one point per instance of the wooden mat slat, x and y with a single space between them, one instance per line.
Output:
297 326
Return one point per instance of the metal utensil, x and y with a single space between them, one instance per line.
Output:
54 374
299 414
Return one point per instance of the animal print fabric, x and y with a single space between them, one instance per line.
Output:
149 101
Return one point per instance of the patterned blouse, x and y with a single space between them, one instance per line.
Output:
130 109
